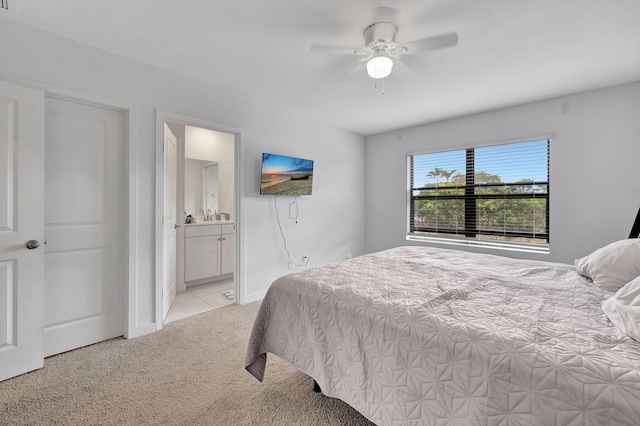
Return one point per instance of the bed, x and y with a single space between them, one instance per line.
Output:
419 335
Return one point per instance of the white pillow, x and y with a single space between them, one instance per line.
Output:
612 266
623 309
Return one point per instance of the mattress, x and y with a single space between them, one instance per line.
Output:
427 336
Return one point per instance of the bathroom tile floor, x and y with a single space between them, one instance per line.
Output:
201 298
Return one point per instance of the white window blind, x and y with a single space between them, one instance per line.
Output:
495 194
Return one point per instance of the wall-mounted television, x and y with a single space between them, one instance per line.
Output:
282 175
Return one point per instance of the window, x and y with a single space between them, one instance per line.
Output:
495 196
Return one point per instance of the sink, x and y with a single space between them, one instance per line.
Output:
200 221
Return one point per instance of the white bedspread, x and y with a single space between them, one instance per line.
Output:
418 335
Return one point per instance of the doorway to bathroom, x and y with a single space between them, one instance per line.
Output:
199 225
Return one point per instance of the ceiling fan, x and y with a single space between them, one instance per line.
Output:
380 47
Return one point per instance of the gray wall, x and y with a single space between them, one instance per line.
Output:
330 225
595 183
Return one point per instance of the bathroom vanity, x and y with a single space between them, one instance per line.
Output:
209 251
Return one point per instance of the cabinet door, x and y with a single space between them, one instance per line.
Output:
202 257
228 250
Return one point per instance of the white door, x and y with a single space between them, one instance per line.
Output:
84 210
21 220
169 219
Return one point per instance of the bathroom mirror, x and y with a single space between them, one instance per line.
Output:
208 172
202 186
210 189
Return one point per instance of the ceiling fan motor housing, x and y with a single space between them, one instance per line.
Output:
380 37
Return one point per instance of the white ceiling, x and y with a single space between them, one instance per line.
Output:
509 51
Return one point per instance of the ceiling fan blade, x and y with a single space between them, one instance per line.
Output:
426 44
404 67
338 50
353 70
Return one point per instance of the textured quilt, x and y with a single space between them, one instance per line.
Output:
424 336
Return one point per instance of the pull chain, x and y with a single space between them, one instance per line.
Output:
376 85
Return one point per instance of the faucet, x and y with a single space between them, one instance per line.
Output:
208 216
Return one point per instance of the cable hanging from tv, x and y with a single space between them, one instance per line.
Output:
290 261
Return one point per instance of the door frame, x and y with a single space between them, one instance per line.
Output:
129 110
161 117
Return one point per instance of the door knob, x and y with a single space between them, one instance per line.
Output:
32 244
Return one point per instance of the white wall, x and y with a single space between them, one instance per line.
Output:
205 144
594 178
330 225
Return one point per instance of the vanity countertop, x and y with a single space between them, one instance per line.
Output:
210 222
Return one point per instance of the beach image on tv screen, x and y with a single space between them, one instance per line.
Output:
283 175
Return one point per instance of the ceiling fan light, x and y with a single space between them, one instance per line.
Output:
379 66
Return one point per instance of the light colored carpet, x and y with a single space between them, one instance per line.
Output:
189 373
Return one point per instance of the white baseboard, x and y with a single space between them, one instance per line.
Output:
252 297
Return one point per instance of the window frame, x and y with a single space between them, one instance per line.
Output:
468 236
